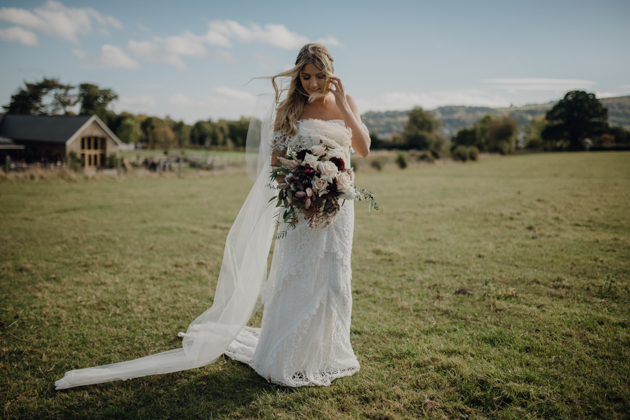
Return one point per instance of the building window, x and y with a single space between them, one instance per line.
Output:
82 143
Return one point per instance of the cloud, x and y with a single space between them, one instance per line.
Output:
432 100
626 86
142 27
168 50
220 32
111 56
57 20
540 84
224 102
21 35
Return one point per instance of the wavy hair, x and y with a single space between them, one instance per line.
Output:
292 106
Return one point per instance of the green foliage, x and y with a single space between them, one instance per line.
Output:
94 100
502 132
473 153
460 153
533 133
422 131
578 116
402 160
129 130
48 97
74 161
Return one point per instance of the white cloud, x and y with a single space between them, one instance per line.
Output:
111 56
55 19
169 50
223 103
142 27
172 49
220 33
21 35
540 84
432 100
329 41
626 86
607 94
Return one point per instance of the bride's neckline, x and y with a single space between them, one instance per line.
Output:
319 119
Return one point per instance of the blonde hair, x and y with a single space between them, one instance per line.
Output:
291 108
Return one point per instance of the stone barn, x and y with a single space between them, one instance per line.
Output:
51 138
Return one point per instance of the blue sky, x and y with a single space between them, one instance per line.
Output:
193 59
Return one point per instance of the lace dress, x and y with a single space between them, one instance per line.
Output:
304 339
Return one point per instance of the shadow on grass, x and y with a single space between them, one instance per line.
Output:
209 392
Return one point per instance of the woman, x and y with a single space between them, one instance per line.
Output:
304 339
305 334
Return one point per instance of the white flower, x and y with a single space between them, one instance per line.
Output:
318 150
328 170
345 181
338 153
310 160
320 185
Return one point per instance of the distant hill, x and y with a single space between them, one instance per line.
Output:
455 118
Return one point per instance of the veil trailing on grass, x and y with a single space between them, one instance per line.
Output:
241 279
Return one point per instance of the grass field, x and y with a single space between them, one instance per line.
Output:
94 272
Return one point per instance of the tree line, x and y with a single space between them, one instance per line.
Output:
577 122
51 97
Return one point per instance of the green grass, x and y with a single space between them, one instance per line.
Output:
103 271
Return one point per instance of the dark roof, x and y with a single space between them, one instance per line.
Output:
48 128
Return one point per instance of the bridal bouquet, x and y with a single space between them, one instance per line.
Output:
315 181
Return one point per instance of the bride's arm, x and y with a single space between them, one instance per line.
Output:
360 137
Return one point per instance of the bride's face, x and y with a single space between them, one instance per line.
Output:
313 79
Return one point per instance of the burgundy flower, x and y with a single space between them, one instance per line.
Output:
302 154
339 162
308 170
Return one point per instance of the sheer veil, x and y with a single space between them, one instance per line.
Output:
242 276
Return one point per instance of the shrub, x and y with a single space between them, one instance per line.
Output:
378 163
426 157
460 153
402 160
473 153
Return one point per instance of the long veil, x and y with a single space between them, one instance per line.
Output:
242 276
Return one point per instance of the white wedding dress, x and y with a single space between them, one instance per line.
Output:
305 335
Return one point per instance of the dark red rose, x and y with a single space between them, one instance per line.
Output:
308 170
339 162
302 154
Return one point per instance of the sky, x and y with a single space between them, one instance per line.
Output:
197 59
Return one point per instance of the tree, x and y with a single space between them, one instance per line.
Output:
578 116
533 133
163 136
422 131
502 133
47 97
476 136
200 133
129 130
182 133
94 101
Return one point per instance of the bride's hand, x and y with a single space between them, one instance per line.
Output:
339 92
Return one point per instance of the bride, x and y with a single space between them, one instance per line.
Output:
304 339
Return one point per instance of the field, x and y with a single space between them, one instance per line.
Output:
94 272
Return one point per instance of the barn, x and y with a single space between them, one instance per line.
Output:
51 139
